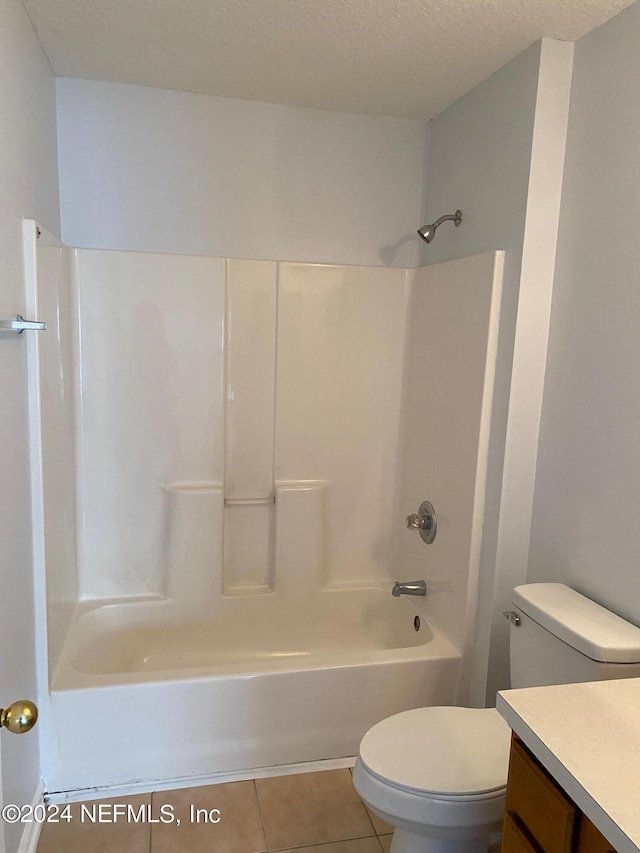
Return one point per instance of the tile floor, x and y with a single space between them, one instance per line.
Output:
279 813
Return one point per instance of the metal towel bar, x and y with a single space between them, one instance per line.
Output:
19 325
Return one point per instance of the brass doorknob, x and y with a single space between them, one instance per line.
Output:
19 717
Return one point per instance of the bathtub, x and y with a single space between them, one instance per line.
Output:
141 695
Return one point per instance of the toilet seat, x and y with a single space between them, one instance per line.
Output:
441 753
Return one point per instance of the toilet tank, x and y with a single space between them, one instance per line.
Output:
558 636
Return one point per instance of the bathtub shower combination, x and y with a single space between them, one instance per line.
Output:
224 453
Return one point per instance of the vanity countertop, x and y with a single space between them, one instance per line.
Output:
588 738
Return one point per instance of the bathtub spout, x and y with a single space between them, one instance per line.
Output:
409 588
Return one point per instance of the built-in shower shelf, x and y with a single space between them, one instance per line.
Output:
247 591
193 488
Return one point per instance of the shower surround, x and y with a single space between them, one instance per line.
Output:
224 454
196 467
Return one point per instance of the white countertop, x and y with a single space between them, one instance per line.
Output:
588 738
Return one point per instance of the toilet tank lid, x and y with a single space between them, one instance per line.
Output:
581 623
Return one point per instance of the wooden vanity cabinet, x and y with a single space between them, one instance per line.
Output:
539 816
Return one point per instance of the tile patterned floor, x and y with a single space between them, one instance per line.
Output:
263 816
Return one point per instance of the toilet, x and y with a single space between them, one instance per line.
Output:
439 775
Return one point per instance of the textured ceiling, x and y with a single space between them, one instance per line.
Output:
407 58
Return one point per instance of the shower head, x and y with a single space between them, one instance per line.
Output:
428 232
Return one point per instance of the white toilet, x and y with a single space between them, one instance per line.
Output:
438 775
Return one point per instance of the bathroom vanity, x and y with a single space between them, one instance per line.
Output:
574 768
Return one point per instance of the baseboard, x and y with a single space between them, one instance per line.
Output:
31 832
149 786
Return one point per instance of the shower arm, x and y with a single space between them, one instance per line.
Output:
454 217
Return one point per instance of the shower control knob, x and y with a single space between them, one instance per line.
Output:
424 521
20 717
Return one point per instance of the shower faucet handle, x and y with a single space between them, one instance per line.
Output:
424 521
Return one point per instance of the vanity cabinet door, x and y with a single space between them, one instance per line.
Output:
591 840
539 816
514 839
538 805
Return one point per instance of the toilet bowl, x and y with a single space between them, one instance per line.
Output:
438 776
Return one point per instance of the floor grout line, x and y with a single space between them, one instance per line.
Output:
364 806
264 831
378 834
373 833
153 793
370 821
324 843
150 828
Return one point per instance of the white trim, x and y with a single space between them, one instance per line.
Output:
146 787
469 696
34 235
491 663
31 831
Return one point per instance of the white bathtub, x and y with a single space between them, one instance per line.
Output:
140 696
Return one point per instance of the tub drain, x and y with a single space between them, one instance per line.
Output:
416 623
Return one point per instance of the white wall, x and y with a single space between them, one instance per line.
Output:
28 177
479 157
585 523
497 154
159 171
